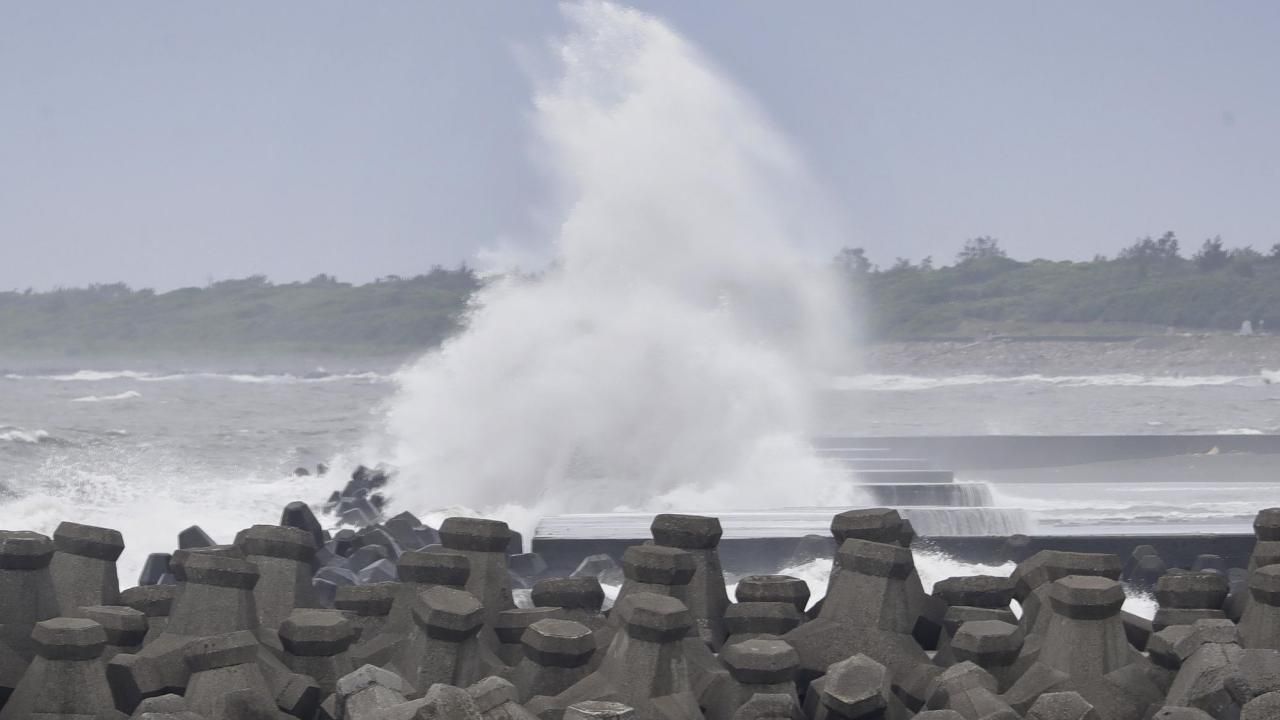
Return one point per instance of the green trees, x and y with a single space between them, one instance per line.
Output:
247 314
1148 285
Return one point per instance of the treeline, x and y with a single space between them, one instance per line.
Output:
1148 286
251 314
1149 283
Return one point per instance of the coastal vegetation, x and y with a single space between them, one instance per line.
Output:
1147 287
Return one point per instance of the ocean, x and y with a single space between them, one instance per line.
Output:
151 453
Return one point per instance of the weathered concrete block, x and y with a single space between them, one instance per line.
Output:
511 627
285 557
878 525
747 620
84 566
1193 590
125 627
443 648
984 591
66 678
194 537
992 645
299 515
484 543
153 601
1062 706
315 644
556 656
1263 707
1260 624
27 596
155 568
225 665
645 666
366 606
368 689
773 588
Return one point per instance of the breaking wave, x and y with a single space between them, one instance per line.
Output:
670 357
126 395
19 435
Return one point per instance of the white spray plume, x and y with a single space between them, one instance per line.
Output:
668 359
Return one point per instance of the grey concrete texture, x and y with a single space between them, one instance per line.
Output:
706 596
237 632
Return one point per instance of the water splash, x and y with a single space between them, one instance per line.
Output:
668 357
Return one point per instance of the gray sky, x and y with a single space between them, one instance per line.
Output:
167 143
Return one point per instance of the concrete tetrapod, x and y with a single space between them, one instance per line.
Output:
645 667
865 611
66 678
84 566
707 598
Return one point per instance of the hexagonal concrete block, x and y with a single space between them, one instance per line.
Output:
24 550
1266 525
1264 585
857 687
987 642
773 588
428 567
881 525
558 643
688 532
124 625
580 593
150 600
878 559
475 534
658 565
447 613
511 624
757 618
366 600
761 662
1192 590
654 618
289 543
985 591
66 638
218 570
1047 566
1086 597
88 541
316 633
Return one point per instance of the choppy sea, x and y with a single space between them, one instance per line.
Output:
152 452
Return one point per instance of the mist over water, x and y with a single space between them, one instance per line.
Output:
669 357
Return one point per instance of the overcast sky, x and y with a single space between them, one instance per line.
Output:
169 143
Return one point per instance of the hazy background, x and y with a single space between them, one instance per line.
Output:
166 144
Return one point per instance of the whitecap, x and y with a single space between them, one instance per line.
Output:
126 395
